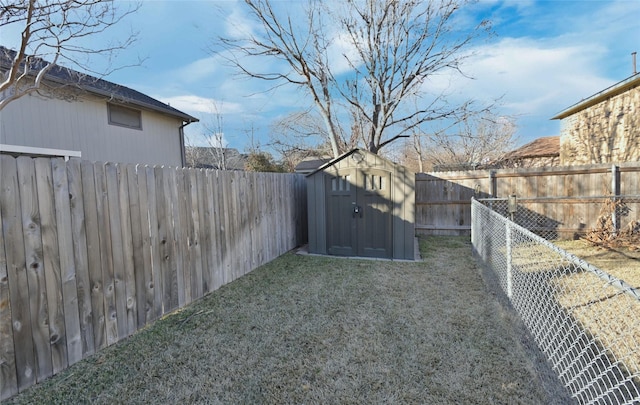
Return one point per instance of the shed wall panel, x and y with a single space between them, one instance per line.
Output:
402 197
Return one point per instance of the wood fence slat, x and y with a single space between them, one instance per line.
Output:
225 207
57 338
8 353
116 270
173 212
80 256
235 243
106 252
94 260
31 227
128 253
136 245
183 237
67 264
216 223
156 284
206 195
146 213
251 218
164 236
258 242
195 251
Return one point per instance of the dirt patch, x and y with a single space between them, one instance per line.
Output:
306 329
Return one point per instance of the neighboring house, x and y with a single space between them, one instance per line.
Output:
215 158
310 164
542 152
603 128
77 115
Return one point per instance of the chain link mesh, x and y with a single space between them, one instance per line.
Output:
584 320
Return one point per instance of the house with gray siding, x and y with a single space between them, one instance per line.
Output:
78 115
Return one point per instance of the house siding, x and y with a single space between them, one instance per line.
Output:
82 125
607 132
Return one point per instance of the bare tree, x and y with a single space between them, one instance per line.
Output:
59 31
303 50
394 48
214 137
302 134
477 140
399 46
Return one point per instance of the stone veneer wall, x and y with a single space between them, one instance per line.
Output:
608 132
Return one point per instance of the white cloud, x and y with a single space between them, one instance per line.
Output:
341 51
200 69
237 25
196 104
533 76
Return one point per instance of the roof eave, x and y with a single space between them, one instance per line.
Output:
185 117
174 113
614 90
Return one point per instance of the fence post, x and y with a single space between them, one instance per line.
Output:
509 264
615 191
493 184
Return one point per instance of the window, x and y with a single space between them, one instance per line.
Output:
340 183
124 116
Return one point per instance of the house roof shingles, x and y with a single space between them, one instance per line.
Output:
542 147
66 76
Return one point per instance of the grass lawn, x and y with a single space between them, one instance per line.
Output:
602 309
621 262
318 330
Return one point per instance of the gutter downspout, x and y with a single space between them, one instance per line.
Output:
183 153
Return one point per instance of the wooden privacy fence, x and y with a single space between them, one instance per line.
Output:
571 197
92 252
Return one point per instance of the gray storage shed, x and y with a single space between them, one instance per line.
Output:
361 204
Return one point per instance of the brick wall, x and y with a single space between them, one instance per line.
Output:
608 132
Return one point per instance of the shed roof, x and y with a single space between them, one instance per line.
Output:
346 155
618 88
66 76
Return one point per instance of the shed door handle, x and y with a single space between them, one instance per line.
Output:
357 210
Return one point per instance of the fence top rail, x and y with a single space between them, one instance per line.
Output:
590 197
599 168
615 282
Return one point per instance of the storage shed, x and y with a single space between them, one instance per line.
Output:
361 204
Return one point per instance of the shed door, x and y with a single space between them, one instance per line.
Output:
374 225
359 213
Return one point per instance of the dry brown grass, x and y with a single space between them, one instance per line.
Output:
603 310
619 262
319 330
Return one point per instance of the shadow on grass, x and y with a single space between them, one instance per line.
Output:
308 329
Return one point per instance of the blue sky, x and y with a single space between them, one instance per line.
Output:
544 57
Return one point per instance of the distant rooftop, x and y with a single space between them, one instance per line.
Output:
310 164
542 147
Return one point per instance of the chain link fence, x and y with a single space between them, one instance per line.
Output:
584 320
530 213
